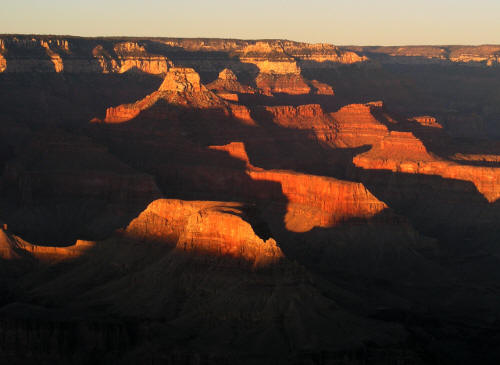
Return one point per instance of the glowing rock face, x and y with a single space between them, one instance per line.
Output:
203 227
181 80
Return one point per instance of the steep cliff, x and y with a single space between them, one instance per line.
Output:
27 53
206 228
487 55
78 55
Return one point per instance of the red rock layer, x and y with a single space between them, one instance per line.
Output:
206 227
403 152
389 157
305 117
290 83
312 201
235 149
356 126
227 83
8 246
321 88
181 86
427 121
51 253
53 54
13 247
317 201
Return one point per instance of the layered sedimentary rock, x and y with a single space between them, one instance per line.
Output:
312 201
315 201
416 160
13 247
181 87
356 126
77 55
8 246
309 117
487 55
403 152
23 53
228 87
321 88
427 121
282 83
202 227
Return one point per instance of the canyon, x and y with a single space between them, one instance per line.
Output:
169 200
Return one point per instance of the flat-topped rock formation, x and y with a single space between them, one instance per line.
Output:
27 53
202 227
487 55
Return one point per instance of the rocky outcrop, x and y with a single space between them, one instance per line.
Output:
133 55
309 117
312 201
427 121
285 52
80 55
356 126
242 113
3 63
403 152
77 55
182 80
181 87
316 201
8 246
13 247
227 84
235 150
321 88
487 55
282 83
52 254
204 227
23 53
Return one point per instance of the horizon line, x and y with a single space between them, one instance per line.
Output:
245 40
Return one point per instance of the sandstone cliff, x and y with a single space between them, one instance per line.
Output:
206 228
23 53
77 55
487 55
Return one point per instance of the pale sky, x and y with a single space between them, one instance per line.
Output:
360 22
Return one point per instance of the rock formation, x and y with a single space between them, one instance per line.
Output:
228 87
321 88
210 228
232 207
181 86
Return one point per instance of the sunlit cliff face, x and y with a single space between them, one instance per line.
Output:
302 201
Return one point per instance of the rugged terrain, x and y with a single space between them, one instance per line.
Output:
225 201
